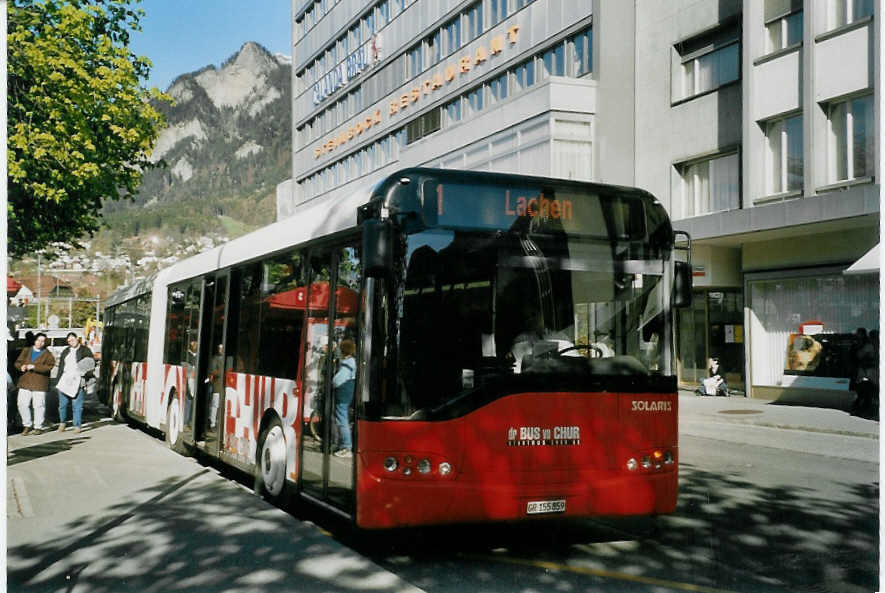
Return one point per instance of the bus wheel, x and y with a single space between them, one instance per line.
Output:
270 469
173 426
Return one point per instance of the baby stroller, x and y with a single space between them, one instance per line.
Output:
713 383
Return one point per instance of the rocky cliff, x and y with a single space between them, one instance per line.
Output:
226 146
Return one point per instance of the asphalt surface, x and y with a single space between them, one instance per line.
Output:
111 509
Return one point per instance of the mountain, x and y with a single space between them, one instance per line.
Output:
226 146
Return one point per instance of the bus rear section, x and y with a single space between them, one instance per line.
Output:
523 456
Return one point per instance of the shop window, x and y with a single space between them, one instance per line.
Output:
779 308
844 12
706 63
783 156
852 138
709 185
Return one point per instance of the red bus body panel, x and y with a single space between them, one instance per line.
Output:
519 449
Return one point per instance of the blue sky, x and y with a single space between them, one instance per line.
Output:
180 36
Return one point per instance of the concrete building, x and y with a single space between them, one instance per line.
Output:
756 124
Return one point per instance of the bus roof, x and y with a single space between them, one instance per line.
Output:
321 218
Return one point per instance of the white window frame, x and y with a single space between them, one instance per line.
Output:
692 185
779 163
844 12
782 22
848 133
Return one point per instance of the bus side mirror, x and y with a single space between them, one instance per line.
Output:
682 285
377 248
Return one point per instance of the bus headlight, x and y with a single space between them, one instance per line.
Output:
646 462
424 466
445 468
632 465
390 464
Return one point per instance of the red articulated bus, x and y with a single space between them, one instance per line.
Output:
444 347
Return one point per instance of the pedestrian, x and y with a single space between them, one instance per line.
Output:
35 363
344 382
76 374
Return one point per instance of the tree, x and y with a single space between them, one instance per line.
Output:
80 125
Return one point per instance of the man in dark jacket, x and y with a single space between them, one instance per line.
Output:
75 375
35 364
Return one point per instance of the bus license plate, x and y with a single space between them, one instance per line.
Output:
537 507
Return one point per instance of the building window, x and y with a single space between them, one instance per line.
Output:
474 21
434 48
710 185
474 101
383 14
554 61
498 88
706 63
423 125
784 155
580 51
453 111
844 12
522 3
415 61
852 138
498 10
783 31
524 75
453 34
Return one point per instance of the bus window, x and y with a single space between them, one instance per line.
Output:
282 316
246 298
480 310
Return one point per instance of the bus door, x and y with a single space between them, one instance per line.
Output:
328 443
210 379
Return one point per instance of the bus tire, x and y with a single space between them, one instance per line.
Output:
270 464
174 426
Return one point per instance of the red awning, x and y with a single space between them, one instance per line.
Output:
345 299
12 285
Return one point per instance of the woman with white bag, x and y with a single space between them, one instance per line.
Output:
75 372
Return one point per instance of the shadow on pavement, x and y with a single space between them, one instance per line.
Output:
194 535
727 534
32 452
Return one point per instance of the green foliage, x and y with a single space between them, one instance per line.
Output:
80 126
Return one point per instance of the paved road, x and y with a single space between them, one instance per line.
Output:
771 499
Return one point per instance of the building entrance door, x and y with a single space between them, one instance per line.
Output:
713 328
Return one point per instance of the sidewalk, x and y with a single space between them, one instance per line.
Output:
762 423
759 412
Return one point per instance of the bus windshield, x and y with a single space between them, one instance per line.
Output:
482 310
